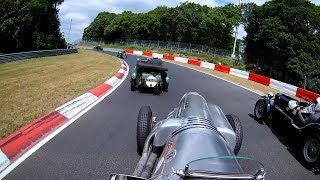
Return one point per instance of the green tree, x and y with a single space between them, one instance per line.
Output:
96 28
29 25
122 26
188 23
285 35
246 11
217 27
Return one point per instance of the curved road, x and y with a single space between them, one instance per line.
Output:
102 141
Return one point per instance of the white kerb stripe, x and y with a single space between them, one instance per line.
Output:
4 161
207 65
156 55
84 47
122 65
122 71
75 106
137 53
239 73
283 87
113 81
181 59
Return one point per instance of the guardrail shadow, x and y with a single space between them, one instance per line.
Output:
289 137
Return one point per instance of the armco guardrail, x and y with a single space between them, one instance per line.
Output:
34 54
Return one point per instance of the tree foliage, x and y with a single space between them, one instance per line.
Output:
29 25
285 35
188 22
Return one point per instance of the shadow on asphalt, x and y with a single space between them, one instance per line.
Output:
289 137
147 91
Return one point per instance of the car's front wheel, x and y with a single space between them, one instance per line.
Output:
143 127
237 128
260 110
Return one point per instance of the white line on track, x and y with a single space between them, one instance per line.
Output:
57 131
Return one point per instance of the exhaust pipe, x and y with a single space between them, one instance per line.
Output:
145 155
149 166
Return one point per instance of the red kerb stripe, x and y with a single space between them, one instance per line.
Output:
168 57
101 89
119 75
306 95
21 140
129 51
146 53
259 79
194 62
221 68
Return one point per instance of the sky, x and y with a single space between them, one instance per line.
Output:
83 12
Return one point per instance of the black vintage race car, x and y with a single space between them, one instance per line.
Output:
98 48
122 54
283 107
149 73
196 141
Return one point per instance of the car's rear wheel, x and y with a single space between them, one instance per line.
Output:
165 87
158 89
133 85
237 128
311 150
260 110
143 127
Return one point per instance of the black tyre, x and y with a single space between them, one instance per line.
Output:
311 150
133 85
157 91
237 128
143 127
260 110
165 87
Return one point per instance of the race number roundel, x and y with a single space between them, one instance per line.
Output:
151 81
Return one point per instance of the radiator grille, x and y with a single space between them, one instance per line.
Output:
196 122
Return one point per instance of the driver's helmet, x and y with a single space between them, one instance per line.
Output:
292 104
270 95
317 104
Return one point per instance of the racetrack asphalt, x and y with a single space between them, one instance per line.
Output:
102 141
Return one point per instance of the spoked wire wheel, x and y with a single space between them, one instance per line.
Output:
311 150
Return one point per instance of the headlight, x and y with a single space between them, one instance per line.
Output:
134 75
167 79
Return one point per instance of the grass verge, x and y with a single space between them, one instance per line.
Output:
33 87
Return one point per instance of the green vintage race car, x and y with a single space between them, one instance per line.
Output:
149 73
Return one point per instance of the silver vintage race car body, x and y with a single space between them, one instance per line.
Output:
185 143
